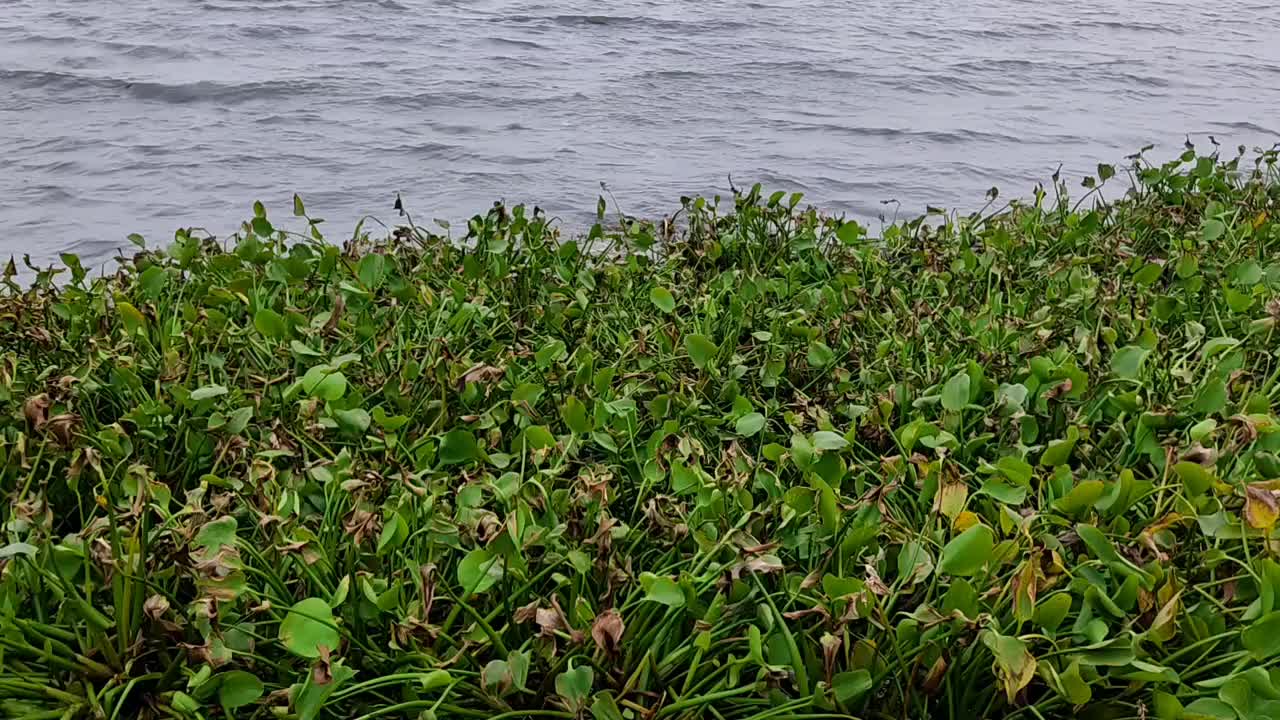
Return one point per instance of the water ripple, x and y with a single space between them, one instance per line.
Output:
183 112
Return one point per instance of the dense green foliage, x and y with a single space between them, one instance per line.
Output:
751 462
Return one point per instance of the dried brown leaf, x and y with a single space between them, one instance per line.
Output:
607 630
36 410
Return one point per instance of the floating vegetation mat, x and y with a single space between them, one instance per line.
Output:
751 462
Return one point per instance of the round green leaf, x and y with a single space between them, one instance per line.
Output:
479 571
307 627
1262 637
324 382
701 350
820 355
827 440
238 689
750 424
270 323
1127 361
663 299
458 446
661 589
355 420
967 552
217 534
955 394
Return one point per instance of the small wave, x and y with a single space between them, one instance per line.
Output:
178 94
1122 25
583 20
529 44
943 137
998 65
1245 126
141 51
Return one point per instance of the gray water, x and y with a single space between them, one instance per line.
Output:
154 114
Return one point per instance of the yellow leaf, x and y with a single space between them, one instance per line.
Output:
1162 627
951 498
1014 664
1024 591
1260 507
964 521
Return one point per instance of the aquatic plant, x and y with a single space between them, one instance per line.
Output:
749 462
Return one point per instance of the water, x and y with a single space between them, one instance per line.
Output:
155 114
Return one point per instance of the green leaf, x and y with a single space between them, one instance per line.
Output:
13 550
683 478
311 698
914 562
239 688
1167 706
663 299
1007 494
967 552
355 420
538 437
574 686
1208 709
549 353
479 570
372 270
661 589
528 393
820 355
270 323
605 707
262 227
1051 611
1058 452
153 281
1262 637
1149 274
1212 229
1116 652
458 446
390 423
827 440
299 210
849 233
701 350
575 416
750 424
238 420
325 382
955 394
1195 478
1212 397
1014 663
308 626
1127 362
1016 469
207 392
851 685
217 534
1073 685
1081 497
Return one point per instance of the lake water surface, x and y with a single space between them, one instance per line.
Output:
153 114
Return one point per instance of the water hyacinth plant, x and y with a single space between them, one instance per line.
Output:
751 462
